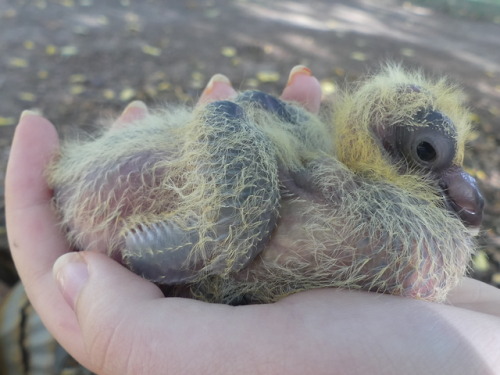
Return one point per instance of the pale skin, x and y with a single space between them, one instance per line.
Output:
114 322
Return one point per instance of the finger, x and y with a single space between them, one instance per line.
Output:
475 295
114 309
128 328
218 88
34 238
303 88
135 111
28 198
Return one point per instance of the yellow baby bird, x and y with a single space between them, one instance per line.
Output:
250 198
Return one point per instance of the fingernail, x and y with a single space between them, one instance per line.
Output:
134 111
298 70
71 274
217 78
29 112
136 104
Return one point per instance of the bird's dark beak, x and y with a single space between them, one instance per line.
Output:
462 196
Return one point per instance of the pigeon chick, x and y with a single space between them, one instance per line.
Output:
249 198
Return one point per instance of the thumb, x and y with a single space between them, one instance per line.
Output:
126 326
107 300
103 278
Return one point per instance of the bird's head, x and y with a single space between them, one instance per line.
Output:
404 129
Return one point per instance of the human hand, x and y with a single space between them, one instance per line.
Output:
114 322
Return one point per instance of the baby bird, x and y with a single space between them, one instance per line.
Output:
249 198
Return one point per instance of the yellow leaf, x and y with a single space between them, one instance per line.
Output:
29 44
69 50
358 56
150 50
76 89
481 262
267 77
108 94
77 78
481 175
163 86
327 86
268 49
7 121
41 4
50 49
252 82
27 96
474 117
9 13
473 135
42 74
228 51
18 62
198 80
127 94
408 52
339 71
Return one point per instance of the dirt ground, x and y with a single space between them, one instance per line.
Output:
81 60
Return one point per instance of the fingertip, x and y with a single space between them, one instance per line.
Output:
298 70
71 274
138 105
34 143
90 281
218 88
34 133
134 111
38 124
217 78
107 275
29 112
303 88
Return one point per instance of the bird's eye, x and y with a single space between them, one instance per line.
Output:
428 142
426 152
428 148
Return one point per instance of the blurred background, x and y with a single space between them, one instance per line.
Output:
80 60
